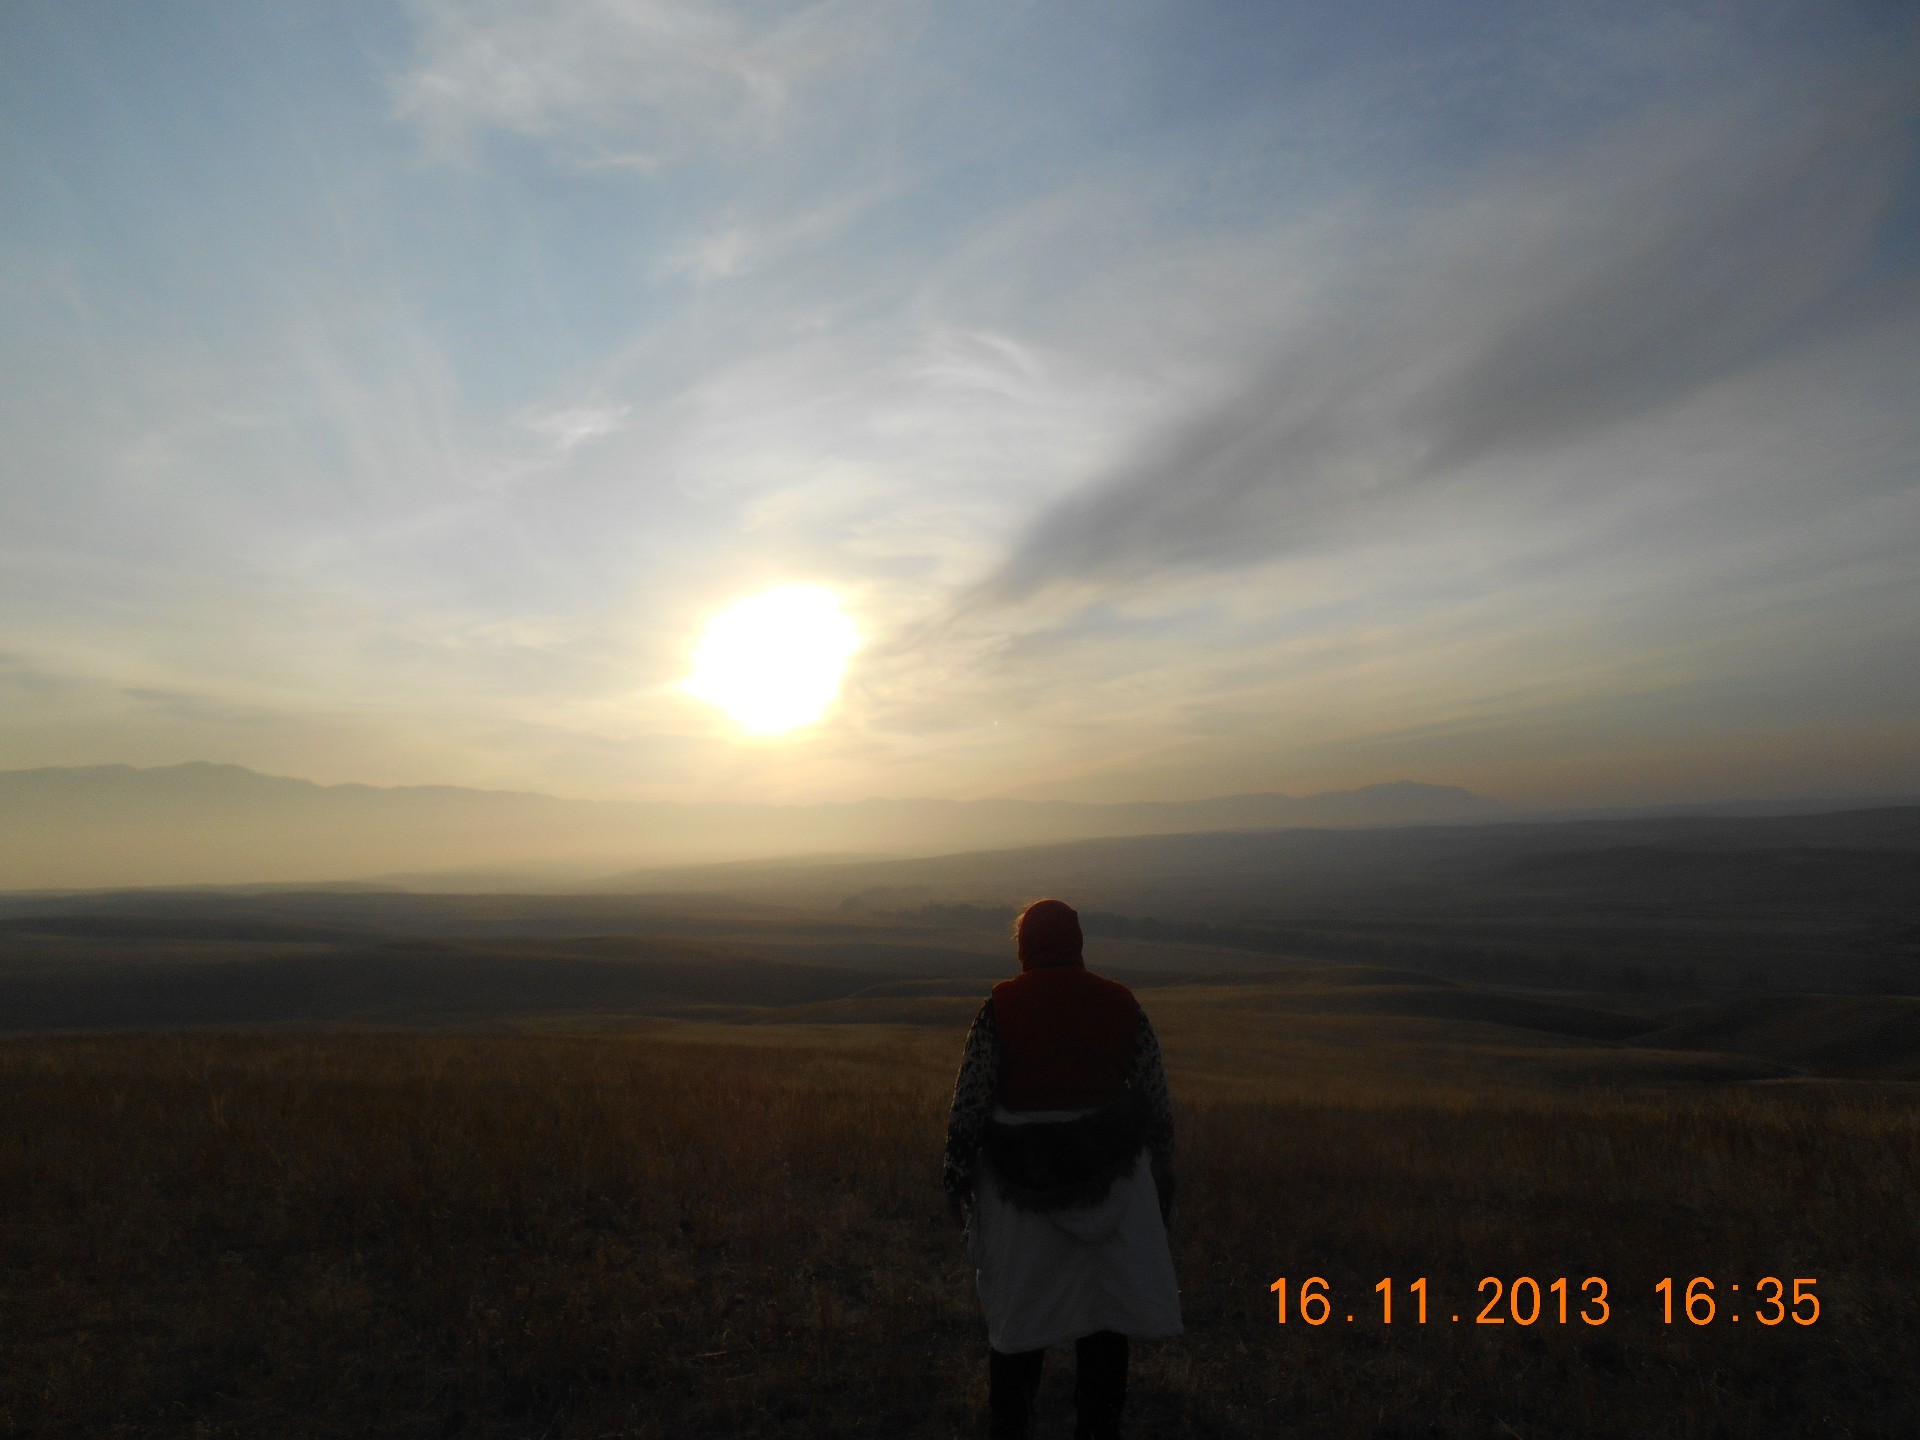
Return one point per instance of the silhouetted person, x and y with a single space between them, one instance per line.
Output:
1060 1163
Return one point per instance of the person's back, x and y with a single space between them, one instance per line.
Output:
1067 1038
1059 1160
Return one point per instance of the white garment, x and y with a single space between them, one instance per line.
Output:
1049 1278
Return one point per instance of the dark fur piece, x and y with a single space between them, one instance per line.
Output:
1061 1164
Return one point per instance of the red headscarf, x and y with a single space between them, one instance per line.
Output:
1049 934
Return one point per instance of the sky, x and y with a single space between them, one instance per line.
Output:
1176 399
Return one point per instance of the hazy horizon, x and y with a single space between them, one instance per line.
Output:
105 827
645 400
1891 794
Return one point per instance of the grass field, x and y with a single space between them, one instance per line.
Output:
671 1228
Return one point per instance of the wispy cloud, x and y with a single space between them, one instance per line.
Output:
620 84
1569 295
568 426
743 242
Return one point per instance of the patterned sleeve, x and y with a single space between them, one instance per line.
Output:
1148 1078
973 1096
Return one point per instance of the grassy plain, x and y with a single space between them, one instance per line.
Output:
665 1227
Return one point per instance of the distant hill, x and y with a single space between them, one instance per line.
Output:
332 957
1853 859
115 825
1828 902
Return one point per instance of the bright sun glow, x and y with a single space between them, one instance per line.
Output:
773 661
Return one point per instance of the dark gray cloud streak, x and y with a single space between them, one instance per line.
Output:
1558 300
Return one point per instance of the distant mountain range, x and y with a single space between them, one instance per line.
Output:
115 825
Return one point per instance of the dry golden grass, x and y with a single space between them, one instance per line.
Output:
708 1230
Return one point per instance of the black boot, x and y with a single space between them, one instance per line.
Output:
1099 1385
1013 1382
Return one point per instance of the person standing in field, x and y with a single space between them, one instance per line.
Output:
1059 1163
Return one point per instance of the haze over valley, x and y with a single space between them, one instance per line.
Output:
224 825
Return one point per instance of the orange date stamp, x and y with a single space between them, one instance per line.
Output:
1524 1300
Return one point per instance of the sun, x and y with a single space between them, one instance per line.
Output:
773 661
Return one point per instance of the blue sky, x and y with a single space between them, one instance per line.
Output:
1183 399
